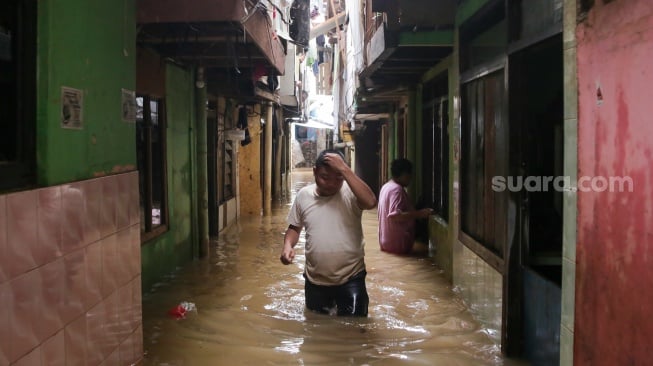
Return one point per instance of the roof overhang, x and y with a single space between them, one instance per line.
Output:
401 58
420 13
404 48
398 62
219 35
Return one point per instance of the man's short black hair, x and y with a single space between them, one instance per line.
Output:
320 161
400 167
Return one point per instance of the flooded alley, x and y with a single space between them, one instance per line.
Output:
141 141
251 309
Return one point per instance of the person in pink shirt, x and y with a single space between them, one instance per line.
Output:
396 212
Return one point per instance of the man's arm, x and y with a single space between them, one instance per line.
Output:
410 215
364 196
289 241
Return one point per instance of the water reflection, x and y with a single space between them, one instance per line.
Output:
251 310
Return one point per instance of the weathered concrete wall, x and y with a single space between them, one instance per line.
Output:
613 324
249 166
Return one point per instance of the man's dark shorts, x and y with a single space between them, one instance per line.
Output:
350 298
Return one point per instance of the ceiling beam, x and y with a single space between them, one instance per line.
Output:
327 25
371 116
176 40
208 50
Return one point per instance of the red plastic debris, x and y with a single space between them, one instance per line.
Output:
178 312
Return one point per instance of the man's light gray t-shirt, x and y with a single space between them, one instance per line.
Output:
334 234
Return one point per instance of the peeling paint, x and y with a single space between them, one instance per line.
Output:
614 272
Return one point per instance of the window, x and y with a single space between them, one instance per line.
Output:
228 190
484 128
226 169
435 142
151 152
17 93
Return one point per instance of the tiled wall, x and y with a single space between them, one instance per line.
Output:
70 284
440 238
481 286
228 212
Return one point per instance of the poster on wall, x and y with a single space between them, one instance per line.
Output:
72 108
128 106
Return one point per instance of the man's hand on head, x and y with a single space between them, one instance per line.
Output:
336 162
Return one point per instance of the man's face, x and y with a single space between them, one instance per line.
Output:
328 181
405 179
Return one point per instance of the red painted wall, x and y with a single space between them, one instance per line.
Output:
614 284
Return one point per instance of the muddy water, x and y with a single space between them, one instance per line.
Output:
251 309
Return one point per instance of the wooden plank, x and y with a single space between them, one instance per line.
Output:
176 11
377 45
433 38
486 254
341 39
327 25
258 28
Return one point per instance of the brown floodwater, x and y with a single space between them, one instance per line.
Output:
250 309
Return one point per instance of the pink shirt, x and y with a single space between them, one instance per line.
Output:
395 236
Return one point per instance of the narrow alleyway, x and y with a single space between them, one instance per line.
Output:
251 309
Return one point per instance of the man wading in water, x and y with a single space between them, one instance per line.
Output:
330 210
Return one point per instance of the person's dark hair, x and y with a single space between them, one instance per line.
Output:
320 161
400 167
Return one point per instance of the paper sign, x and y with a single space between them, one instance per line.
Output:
128 106
72 108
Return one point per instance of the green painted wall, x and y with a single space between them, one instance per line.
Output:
426 38
468 8
87 45
164 253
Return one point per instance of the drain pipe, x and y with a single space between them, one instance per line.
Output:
202 167
267 193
